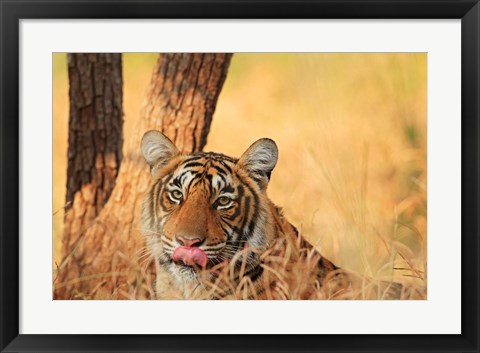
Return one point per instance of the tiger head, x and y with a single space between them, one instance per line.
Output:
203 208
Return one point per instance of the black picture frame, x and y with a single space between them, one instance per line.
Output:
13 11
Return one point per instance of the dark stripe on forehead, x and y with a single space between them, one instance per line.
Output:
193 164
219 169
227 167
220 157
178 181
209 177
196 178
184 176
196 175
230 188
211 156
199 175
222 178
192 158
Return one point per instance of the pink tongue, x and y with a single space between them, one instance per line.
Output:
190 256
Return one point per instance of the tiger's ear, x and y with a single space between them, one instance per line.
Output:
260 159
157 149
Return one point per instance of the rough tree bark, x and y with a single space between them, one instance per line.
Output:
180 102
94 141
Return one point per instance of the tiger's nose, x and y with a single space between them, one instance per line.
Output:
189 241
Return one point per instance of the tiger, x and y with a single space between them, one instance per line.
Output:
213 233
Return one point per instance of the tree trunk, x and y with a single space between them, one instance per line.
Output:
180 102
94 141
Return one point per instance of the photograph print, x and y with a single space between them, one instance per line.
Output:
244 176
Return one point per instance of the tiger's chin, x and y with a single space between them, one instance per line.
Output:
185 272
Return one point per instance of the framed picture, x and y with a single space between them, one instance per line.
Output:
241 165
237 224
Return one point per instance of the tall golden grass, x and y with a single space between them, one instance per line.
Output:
351 130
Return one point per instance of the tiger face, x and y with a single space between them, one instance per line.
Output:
203 208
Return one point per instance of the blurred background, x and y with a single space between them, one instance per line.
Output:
351 131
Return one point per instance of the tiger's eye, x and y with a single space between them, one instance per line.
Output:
176 194
223 201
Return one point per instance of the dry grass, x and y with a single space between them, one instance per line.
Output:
290 272
351 129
